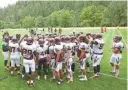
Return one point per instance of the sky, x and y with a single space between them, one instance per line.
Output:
4 3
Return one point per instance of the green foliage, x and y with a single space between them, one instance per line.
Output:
92 15
1 25
64 14
28 22
39 21
115 14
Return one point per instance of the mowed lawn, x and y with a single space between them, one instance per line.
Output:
104 82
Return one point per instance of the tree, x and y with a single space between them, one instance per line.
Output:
28 22
39 21
115 14
92 15
1 25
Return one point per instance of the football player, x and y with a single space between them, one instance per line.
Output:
82 56
28 52
5 49
42 51
73 52
97 49
116 56
58 49
52 57
14 49
69 58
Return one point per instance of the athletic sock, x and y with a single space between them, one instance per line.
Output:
95 69
98 68
117 71
113 69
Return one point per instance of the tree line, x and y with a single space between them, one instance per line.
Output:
28 14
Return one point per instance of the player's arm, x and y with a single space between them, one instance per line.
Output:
82 53
116 50
22 39
68 56
35 53
58 55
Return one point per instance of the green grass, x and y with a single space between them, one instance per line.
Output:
103 83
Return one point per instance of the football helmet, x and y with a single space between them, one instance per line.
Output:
29 40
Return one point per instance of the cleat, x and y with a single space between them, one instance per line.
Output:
116 75
58 83
112 72
31 84
80 76
28 83
22 76
45 77
83 79
19 73
61 80
70 81
38 78
94 76
53 78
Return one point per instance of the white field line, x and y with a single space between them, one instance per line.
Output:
123 39
112 76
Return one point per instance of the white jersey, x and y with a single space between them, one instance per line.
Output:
14 48
83 45
118 45
58 48
36 44
99 47
51 49
27 51
68 46
42 51
74 46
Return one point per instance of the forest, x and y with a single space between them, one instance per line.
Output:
29 14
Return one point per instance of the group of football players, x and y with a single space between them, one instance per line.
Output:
57 52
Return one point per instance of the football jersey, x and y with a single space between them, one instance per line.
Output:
118 45
42 51
4 46
51 51
27 51
83 45
99 47
14 48
58 48
68 46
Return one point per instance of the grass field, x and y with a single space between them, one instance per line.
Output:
105 82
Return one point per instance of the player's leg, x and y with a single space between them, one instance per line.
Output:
60 70
82 67
52 64
73 65
87 62
45 68
94 64
57 70
6 55
118 58
98 64
39 69
70 73
12 66
32 67
18 65
112 61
